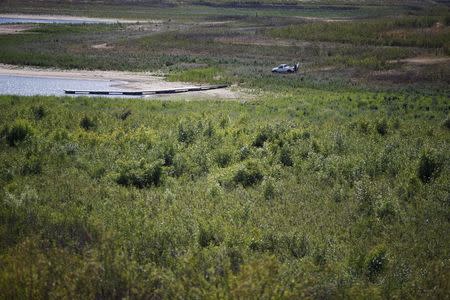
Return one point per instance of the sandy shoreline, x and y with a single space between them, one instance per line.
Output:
14 70
122 80
74 18
15 28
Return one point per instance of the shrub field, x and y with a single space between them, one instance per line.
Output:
331 183
310 194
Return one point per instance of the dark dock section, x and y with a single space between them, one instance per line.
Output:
143 93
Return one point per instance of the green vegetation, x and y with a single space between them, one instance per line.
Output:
329 183
19 131
202 10
241 45
309 194
202 75
429 32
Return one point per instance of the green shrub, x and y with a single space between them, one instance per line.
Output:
33 166
285 157
382 126
363 126
98 171
186 133
248 174
259 279
319 256
4 132
376 262
244 153
148 174
429 166
208 235
339 193
180 165
152 174
200 160
296 245
269 190
167 153
396 123
209 130
339 142
387 209
288 245
125 114
70 148
262 136
223 158
6 174
39 112
87 123
18 132
267 243
446 123
364 196
68 231
236 259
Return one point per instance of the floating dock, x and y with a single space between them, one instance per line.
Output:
151 92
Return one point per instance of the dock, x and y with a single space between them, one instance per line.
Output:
149 92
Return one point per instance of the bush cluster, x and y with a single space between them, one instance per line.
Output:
248 174
144 175
18 132
429 166
376 262
88 123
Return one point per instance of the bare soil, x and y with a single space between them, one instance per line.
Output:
423 60
102 46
